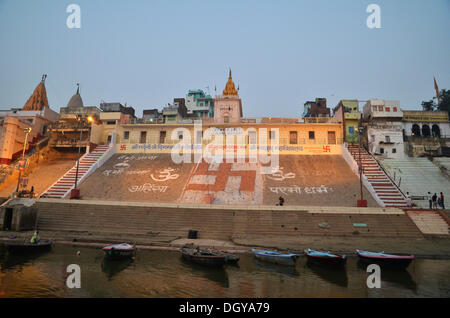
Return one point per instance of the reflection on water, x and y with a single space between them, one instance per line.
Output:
166 274
333 275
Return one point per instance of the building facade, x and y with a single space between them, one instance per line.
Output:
347 112
384 127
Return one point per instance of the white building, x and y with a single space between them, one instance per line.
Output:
384 128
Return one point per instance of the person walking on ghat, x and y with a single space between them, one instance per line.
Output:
430 199
434 201
408 200
442 201
281 201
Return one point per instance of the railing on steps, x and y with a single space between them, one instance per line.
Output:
100 161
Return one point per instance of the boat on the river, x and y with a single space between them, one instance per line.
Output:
15 246
327 258
386 260
122 250
229 258
203 256
275 257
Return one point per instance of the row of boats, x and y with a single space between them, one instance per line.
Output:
218 258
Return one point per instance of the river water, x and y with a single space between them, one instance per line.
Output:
166 274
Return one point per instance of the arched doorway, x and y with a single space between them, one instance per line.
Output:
415 130
426 131
436 131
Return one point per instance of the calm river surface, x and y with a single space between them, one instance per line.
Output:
165 274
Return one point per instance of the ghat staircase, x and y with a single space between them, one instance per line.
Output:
430 221
88 163
381 183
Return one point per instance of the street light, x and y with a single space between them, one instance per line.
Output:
26 131
75 193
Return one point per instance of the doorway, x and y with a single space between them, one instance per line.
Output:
7 221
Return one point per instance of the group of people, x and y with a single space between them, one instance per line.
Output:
436 201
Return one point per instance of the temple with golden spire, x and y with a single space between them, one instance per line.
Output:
38 100
228 106
230 89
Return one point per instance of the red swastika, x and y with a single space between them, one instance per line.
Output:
123 147
224 171
326 148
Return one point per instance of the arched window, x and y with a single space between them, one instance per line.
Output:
415 130
426 131
436 131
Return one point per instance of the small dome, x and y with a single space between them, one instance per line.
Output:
75 101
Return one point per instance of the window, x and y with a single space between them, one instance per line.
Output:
180 135
374 108
372 138
381 150
394 150
293 137
272 134
387 138
111 122
394 109
388 109
380 108
126 135
226 119
332 137
311 135
351 130
143 139
162 137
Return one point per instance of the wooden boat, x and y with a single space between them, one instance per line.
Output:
15 246
123 250
229 258
275 257
327 258
386 260
202 256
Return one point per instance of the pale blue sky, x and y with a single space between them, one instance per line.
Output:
282 53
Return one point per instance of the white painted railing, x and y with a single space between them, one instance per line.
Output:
100 161
354 166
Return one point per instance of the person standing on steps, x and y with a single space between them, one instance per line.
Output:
442 201
434 201
408 200
430 199
281 201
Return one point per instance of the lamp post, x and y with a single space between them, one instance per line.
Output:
75 193
360 162
26 131
79 118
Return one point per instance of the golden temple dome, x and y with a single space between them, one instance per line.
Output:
38 100
230 90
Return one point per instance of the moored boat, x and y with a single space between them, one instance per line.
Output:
202 256
327 258
15 246
275 257
386 260
229 258
123 250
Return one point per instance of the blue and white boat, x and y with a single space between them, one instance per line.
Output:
275 257
386 260
325 258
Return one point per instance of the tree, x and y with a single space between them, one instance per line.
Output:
444 105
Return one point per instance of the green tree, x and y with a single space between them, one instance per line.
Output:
444 105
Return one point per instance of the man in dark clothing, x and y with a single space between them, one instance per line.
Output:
434 201
442 201
430 199
281 201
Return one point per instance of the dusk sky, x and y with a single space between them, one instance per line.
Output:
282 53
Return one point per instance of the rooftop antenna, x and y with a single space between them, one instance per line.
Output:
44 76
78 88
